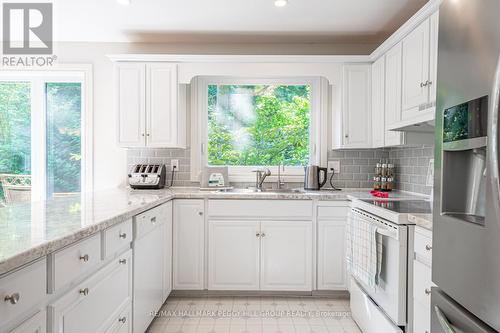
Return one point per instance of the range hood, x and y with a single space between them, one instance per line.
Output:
424 124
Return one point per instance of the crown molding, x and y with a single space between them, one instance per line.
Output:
211 58
427 10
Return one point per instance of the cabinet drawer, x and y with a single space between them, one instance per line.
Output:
422 283
423 245
147 221
333 212
117 238
36 324
89 306
122 323
261 208
24 289
76 261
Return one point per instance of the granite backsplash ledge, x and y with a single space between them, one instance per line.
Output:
357 166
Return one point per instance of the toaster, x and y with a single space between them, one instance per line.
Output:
147 176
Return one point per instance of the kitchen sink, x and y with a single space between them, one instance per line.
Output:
254 190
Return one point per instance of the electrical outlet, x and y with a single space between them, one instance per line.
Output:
335 165
174 164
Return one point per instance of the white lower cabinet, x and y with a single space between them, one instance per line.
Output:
253 255
233 255
167 250
90 305
331 254
36 324
422 281
188 244
149 266
286 255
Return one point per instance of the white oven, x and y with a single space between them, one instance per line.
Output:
382 307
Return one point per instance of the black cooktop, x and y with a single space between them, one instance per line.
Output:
403 206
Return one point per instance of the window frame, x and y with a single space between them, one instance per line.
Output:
199 91
38 78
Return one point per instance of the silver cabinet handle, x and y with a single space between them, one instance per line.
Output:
143 134
122 235
200 213
263 234
443 321
84 291
122 320
12 299
422 84
427 291
428 247
493 138
429 83
346 136
257 234
84 258
122 261
153 220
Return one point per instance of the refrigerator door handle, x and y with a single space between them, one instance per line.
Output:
443 321
493 138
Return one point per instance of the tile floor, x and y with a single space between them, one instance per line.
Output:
254 315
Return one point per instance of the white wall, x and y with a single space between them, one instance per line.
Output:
110 161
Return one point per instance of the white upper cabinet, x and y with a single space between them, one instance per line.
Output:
378 112
415 69
131 103
393 59
419 52
356 106
434 30
150 105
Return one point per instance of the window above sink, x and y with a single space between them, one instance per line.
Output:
249 123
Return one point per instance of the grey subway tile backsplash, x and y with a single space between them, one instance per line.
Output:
357 166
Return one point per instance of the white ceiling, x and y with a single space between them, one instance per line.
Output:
320 21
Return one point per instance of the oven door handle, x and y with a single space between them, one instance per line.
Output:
493 139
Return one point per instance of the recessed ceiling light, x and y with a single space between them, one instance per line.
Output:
280 3
124 2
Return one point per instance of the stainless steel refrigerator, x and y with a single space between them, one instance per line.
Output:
466 230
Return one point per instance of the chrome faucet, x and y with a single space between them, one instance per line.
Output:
261 175
280 182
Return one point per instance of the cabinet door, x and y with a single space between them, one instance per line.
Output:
434 31
36 324
167 261
161 105
189 235
131 103
148 277
356 110
233 255
415 70
393 66
378 97
286 255
331 254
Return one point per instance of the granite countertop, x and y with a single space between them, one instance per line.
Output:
421 220
33 230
